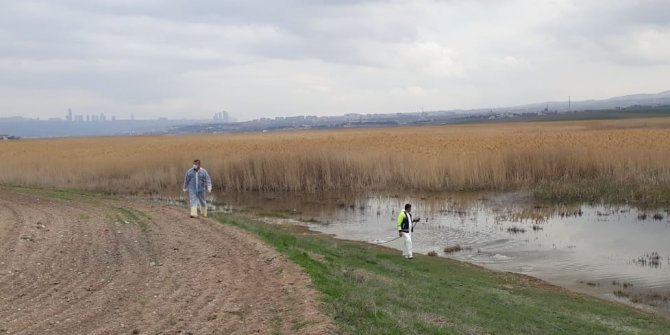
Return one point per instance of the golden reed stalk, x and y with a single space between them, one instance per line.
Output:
499 156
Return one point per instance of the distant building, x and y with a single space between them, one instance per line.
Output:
222 117
69 115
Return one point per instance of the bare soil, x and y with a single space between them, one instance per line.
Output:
77 264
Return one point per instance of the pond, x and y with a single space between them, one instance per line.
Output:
616 252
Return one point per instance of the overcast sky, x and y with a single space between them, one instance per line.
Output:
272 58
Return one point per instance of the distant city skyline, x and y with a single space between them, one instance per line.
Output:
285 58
637 105
639 99
71 116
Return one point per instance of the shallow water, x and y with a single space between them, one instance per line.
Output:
597 249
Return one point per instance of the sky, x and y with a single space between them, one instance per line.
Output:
252 58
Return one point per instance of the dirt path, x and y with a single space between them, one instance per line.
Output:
72 264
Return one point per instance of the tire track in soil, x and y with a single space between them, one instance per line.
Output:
84 271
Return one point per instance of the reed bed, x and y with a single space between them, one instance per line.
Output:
509 156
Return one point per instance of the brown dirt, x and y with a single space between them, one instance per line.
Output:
93 265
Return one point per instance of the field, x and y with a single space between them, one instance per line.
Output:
85 263
614 160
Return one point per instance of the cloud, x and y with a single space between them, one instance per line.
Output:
622 32
268 58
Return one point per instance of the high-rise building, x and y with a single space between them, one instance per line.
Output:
69 115
221 116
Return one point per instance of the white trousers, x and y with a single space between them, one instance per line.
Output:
407 250
197 200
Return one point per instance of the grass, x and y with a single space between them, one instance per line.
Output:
372 290
612 160
121 215
279 214
124 215
69 194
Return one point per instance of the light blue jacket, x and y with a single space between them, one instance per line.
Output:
197 180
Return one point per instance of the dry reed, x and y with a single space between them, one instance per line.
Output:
462 157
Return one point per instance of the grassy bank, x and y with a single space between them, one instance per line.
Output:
559 160
372 290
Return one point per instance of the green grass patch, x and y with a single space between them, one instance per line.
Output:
62 194
125 215
279 214
370 289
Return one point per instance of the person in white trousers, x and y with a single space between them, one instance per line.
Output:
196 181
405 230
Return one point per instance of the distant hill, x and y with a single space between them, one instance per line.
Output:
658 99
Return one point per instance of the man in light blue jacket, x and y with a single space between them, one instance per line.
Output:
196 181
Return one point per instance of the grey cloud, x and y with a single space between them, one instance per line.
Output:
606 30
365 56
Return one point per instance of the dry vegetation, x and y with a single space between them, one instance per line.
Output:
577 159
